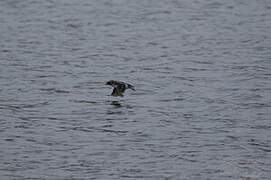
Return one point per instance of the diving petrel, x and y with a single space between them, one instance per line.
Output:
119 87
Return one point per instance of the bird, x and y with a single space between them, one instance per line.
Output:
119 87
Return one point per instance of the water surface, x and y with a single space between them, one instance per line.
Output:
202 105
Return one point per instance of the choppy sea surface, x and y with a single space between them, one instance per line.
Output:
202 105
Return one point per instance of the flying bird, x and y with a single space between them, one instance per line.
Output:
119 87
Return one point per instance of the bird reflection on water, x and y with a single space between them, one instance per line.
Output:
119 107
116 104
116 108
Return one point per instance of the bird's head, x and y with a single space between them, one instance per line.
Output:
109 82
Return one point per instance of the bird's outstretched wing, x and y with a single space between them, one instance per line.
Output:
130 86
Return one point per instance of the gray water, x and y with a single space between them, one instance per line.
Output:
202 105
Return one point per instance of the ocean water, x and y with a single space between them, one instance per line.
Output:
202 105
